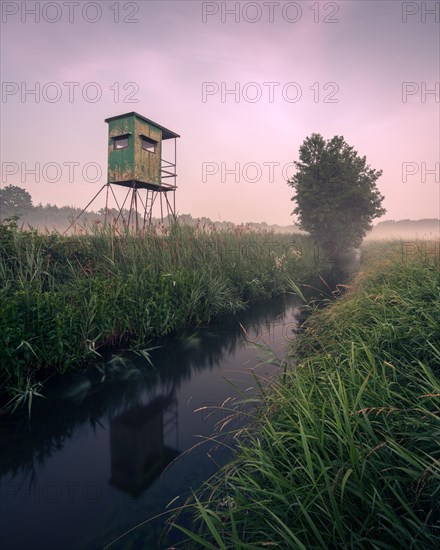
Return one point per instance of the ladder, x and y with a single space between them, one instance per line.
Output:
148 212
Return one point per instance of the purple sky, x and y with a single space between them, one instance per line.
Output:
349 62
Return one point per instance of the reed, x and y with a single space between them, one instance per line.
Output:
63 300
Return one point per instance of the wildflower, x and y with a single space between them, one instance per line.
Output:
228 502
279 261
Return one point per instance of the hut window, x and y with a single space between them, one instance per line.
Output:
120 142
148 144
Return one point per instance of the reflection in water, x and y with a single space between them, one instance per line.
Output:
138 453
79 399
123 431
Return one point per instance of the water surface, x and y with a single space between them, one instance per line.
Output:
110 448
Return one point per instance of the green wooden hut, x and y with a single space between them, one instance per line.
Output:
135 153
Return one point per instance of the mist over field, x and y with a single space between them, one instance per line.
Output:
405 229
53 218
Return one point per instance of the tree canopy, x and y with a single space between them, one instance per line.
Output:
336 193
14 201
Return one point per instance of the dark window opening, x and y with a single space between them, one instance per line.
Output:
120 142
148 144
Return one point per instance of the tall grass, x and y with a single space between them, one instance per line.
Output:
65 299
345 449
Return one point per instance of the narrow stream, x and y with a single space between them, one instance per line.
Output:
110 448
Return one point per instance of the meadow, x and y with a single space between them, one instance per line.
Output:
64 301
343 450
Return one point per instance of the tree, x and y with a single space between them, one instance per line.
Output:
14 201
336 193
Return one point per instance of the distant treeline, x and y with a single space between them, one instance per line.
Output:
15 201
54 217
59 218
425 228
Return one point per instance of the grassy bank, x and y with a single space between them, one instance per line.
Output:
345 451
65 299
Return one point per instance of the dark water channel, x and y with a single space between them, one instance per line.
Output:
108 449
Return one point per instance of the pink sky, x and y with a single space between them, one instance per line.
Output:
363 57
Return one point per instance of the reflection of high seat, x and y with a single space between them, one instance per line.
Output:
138 452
